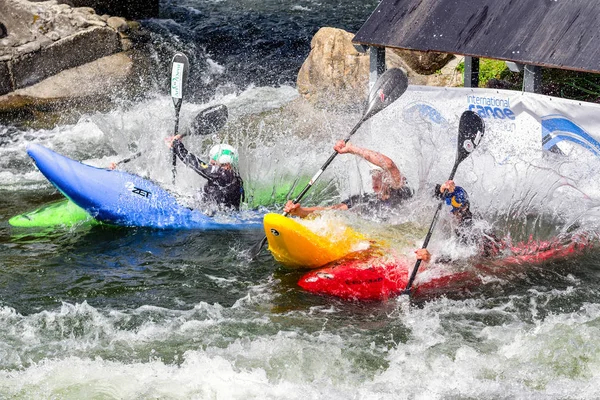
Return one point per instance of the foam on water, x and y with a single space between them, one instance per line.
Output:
550 358
469 348
530 335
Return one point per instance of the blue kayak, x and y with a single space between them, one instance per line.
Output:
124 199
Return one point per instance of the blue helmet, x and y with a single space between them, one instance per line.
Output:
457 199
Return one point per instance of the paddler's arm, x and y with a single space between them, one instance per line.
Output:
295 209
376 158
188 158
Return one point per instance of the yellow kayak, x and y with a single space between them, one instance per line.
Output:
310 243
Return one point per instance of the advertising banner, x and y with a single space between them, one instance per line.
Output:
517 119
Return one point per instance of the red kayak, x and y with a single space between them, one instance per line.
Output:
379 277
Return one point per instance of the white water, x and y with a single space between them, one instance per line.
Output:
448 354
536 343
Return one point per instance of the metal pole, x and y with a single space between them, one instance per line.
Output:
471 75
376 64
532 78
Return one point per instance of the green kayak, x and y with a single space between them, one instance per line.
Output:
63 212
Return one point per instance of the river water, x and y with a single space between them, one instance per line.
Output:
121 313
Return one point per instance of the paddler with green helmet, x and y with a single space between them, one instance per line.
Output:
224 186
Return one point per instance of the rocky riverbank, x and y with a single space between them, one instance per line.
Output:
58 61
58 58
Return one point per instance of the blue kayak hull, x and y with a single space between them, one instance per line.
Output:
124 199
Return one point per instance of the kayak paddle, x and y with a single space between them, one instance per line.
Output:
470 131
388 88
208 121
179 74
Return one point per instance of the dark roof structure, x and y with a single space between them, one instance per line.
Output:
548 33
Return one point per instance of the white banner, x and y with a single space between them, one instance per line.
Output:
522 118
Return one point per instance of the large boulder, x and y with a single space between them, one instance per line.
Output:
46 38
335 75
72 51
66 95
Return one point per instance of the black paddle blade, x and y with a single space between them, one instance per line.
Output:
180 67
470 131
256 249
210 120
390 85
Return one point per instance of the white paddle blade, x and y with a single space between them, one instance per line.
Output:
179 75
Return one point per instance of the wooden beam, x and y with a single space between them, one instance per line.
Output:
551 34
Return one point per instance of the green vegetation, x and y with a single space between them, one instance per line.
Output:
574 85
488 69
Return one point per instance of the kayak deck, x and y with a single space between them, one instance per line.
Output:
370 277
295 245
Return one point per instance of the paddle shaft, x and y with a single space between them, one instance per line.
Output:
130 158
139 153
206 122
320 172
413 274
179 74
176 130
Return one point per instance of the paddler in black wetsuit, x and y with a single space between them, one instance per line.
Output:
224 186
389 186
458 199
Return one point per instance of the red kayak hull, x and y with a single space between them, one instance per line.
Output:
379 277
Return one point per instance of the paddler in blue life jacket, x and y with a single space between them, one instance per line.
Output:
457 198
224 186
389 186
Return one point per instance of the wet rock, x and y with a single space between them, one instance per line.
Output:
118 24
3 31
5 82
423 62
75 50
45 38
335 75
66 95
48 44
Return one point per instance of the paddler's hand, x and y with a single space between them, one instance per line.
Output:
449 186
112 166
169 141
342 147
291 207
423 254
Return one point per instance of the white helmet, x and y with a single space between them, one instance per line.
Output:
224 154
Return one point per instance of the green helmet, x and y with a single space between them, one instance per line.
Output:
224 154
